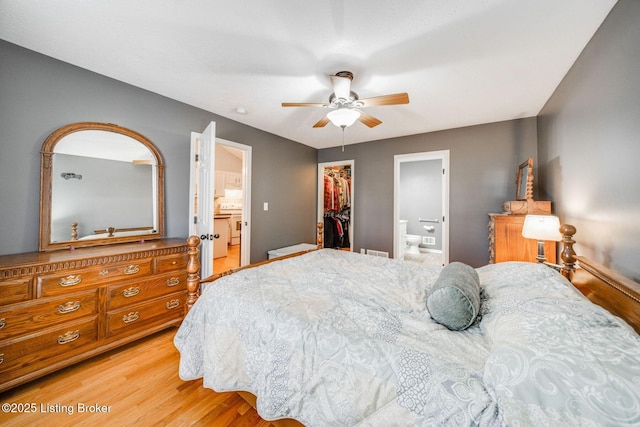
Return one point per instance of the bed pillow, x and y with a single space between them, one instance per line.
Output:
454 299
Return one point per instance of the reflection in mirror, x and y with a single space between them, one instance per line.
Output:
524 180
101 184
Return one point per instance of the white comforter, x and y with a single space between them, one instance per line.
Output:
334 338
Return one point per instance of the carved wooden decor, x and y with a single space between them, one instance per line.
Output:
62 307
524 180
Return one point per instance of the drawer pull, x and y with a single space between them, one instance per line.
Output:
173 281
69 307
3 323
173 304
131 292
103 273
1 358
131 317
70 280
68 337
131 269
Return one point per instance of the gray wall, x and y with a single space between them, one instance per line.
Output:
484 160
589 143
39 94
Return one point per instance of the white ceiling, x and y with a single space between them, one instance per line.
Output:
102 144
463 62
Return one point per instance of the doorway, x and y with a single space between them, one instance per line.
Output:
232 204
335 203
203 218
421 207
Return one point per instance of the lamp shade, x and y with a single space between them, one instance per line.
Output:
343 117
541 227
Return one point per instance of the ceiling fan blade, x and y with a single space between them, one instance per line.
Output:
394 99
368 119
303 104
341 86
322 122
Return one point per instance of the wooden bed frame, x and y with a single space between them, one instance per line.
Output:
603 286
616 293
193 265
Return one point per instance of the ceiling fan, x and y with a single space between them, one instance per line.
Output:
346 105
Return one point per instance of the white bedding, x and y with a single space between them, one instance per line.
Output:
336 338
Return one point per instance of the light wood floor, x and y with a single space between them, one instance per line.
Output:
138 383
232 260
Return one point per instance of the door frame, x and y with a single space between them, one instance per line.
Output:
398 159
245 235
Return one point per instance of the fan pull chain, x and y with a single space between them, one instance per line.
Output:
343 137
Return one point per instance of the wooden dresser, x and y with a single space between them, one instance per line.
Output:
58 308
507 244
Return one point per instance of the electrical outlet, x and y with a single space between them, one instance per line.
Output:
428 240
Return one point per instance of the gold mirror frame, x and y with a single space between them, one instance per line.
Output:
46 171
524 180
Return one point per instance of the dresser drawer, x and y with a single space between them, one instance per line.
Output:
172 263
134 292
15 290
27 317
37 348
147 314
69 281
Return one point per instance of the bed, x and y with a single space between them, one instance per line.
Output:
338 338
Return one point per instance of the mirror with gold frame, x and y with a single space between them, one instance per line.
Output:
524 180
100 184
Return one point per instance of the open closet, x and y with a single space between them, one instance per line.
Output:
335 192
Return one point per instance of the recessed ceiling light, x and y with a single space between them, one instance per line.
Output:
241 110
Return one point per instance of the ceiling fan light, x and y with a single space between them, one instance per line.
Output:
343 117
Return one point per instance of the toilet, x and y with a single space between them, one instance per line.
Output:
413 241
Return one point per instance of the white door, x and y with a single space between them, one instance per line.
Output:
201 192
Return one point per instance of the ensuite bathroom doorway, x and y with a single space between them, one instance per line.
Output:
421 207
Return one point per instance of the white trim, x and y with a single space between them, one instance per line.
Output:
442 155
321 167
245 236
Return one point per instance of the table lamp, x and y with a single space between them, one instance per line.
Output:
541 228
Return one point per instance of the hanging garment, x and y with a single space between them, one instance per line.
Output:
331 238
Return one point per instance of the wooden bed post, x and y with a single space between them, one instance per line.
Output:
320 234
568 255
193 271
